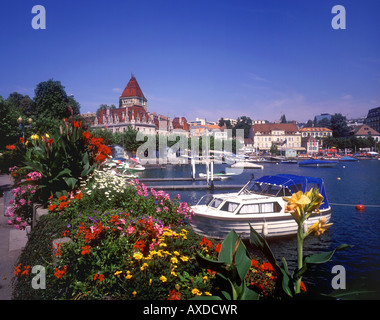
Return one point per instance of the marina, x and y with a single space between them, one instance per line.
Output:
347 184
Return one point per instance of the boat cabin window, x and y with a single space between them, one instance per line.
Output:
229 206
260 208
215 203
270 190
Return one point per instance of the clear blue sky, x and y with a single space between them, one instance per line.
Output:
202 59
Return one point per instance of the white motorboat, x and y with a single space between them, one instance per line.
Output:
259 203
221 175
247 164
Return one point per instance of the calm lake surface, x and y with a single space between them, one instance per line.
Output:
347 184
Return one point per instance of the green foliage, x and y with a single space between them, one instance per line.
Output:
232 267
61 159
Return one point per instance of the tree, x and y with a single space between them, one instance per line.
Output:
223 122
339 126
283 119
51 105
324 123
104 107
244 123
9 128
309 124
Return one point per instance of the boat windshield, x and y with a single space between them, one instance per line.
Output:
269 189
215 202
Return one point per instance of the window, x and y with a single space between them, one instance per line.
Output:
215 203
229 206
260 208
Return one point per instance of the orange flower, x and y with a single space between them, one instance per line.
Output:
60 273
255 264
85 250
62 198
10 147
63 205
100 277
78 196
52 207
218 247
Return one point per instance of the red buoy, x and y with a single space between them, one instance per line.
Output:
360 207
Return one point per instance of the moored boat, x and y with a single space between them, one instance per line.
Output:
247 164
259 203
318 163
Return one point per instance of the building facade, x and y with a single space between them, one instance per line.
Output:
283 135
365 131
316 132
373 119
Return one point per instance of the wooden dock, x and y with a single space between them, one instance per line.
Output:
176 179
197 187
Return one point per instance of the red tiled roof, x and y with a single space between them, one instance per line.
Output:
268 127
364 130
316 129
177 125
133 89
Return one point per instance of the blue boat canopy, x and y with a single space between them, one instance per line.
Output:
293 183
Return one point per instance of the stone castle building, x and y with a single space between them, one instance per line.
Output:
133 113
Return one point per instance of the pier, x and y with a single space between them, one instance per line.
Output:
197 187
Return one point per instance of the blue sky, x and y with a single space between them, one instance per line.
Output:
204 59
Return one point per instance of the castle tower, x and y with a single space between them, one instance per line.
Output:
132 95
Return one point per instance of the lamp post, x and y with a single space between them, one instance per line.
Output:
21 122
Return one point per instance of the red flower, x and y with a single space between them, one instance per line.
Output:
206 242
255 264
52 207
85 250
174 295
21 140
86 136
78 196
218 247
303 287
62 198
63 205
60 273
10 147
100 277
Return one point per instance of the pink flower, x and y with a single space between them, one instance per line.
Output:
158 209
130 230
22 202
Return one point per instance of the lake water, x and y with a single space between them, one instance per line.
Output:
347 184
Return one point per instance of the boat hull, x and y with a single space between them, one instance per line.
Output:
271 225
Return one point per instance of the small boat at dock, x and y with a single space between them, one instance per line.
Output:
247 164
318 163
260 204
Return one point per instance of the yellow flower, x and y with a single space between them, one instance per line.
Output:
208 293
319 227
176 253
128 276
34 137
184 258
150 282
173 273
196 292
137 256
184 230
163 244
174 260
117 273
134 293
163 279
205 278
